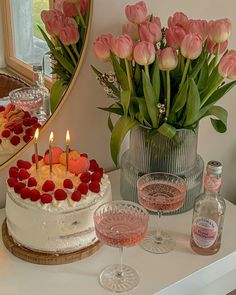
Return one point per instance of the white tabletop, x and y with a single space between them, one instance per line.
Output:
179 272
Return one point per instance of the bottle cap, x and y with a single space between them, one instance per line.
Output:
214 167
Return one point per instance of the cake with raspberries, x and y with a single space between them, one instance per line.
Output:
17 127
53 213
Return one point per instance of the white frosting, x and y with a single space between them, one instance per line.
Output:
61 226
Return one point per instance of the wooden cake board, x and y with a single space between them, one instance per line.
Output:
44 258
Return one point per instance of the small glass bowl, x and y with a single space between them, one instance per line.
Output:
27 98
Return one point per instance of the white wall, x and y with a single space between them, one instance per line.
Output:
88 125
2 61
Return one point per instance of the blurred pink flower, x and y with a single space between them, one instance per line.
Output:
122 46
102 47
167 59
53 21
150 31
144 53
175 36
219 30
191 46
180 19
136 13
69 34
58 4
200 27
212 46
227 65
155 19
70 7
131 30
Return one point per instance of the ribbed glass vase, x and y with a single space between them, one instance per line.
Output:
162 155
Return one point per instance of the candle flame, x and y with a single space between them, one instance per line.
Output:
36 135
51 138
67 137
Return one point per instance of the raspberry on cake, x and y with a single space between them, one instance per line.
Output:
53 212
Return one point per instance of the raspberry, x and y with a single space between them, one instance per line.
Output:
26 115
37 125
93 165
96 176
26 138
6 133
33 120
94 187
20 163
23 174
18 129
30 131
46 198
32 182
67 183
15 140
27 121
25 193
35 195
26 165
60 194
2 109
39 158
48 186
19 186
76 196
11 181
14 172
84 155
101 171
83 188
85 177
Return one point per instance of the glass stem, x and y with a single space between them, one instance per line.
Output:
158 229
120 273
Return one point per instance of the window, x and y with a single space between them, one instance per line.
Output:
24 45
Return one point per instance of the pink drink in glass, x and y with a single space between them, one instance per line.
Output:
161 196
120 229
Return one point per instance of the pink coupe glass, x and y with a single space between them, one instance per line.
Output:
120 224
162 193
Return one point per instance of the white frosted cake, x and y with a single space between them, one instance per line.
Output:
17 127
55 214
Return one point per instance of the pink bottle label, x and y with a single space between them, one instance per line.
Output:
211 183
204 232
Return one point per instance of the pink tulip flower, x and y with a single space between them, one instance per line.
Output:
167 59
200 27
227 65
180 19
175 36
219 30
212 46
122 46
144 53
150 32
102 47
155 19
131 30
70 7
191 46
136 13
58 4
69 34
53 21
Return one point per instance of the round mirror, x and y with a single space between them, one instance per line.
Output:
46 42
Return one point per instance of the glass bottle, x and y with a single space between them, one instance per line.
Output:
208 213
38 79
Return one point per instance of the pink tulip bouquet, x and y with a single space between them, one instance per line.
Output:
165 78
66 26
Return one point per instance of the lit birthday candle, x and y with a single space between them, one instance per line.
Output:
50 152
67 150
36 136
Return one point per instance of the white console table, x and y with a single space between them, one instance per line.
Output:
180 272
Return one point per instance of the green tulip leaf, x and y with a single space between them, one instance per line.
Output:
181 98
125 101
56 93
203 77
115 108
156 80
109 123
120 73
151 99
143 112
48 41
198 66
121 128
63 61
167 130
220 124
192 104
137 75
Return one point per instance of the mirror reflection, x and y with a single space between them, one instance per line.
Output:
48 37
